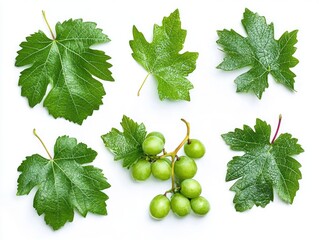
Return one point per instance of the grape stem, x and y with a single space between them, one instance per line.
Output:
277 130
37 136
47 23
174 156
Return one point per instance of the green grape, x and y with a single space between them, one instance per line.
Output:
180 205
159 206
194 149
200 205
141 170
152 145
185 168
191 188
157 134
161 169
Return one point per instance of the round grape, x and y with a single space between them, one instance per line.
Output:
161 169
157 134
141 170
180 205
152 145
200 205
191 188
159 207
185 168
194 148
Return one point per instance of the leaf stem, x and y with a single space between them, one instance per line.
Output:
37 136
47 23
139 90
277 130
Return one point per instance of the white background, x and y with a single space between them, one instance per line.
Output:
215 108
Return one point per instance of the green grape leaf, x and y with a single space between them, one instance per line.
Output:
64 183
126 145
265 166
69 65
260 51
162 59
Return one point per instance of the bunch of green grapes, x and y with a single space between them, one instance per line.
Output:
185 194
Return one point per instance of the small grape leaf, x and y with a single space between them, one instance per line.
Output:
162 59
68 64
126 145
261 52
64 183
264 166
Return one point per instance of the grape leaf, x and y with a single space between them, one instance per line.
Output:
264 167
162 59
261 52
126 145
64 183
69 65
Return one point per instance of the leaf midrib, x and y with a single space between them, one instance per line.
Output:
65 80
